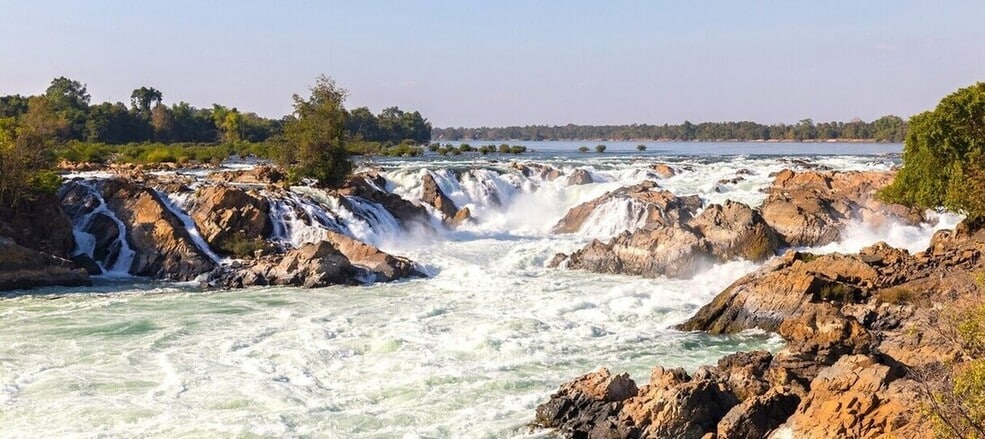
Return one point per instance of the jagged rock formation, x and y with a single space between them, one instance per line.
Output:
661 207
858 329
222 212
678 245
811 208
21 267
370 187
433 195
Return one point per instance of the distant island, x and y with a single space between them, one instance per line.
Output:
885 129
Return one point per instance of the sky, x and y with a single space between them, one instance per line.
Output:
495 63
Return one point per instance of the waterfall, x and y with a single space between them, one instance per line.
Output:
176 204
119 258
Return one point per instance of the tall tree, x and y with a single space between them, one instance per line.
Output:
143 98
316 135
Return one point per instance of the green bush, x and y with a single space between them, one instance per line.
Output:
600 148
241 247
582 149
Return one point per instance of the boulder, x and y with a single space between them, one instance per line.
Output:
735 231
812 208
384 267
659 207
589 406
663 170
260 175
854 399
223 212
542 171
579 177
22 268
757 416
39 224
674 405
672 251
431 194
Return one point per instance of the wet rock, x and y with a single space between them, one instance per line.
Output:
463 216
22 268
163 249
260 175
432 194
812 208
663 170
657 207
579 177
671 251
542 171
222 213
735 231
84 262
384 267
412 217
589 406
39 224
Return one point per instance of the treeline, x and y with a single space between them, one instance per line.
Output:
884 129
66 111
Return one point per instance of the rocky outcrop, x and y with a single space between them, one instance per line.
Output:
260 175
163 247
681 248
664 170
579 177
383 267
659 207
856 327
39 224
223 212
735 231
812 208
22 268
671 251
432 194
370 187
339 260
542 171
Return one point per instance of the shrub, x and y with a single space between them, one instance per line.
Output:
582 149
837 292
504 149
517 149
600 148
641 148
241 247
895 295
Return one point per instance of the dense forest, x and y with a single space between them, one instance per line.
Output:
67 113
884 129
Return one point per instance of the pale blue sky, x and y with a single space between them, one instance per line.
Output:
511 62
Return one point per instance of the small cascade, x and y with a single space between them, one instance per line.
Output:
296 222
177 204
614 217
119 256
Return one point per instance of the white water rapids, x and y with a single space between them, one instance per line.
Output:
469 352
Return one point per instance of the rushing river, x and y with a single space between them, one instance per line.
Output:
468 352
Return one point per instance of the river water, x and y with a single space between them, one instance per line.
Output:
468 352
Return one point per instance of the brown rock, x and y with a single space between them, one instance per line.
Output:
22 268
661 207
370 187
675 406
39 224
736 231
433 195
671 251
579 177
664 170
383 266
223 212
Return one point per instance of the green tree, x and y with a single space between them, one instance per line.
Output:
316 136
641 148
582 149
944 154
600 148
143 98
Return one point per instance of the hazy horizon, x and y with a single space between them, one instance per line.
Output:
512 63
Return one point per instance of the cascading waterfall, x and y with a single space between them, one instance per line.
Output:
177 204
119 258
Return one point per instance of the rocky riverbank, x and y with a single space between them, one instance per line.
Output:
863 337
